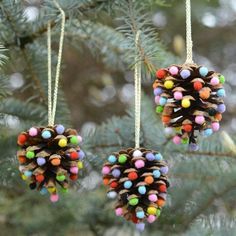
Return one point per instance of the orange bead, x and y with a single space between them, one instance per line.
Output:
149 180
55 162
106 181
155 84
204 93
160 202
166 119
21 159
218 116
187 128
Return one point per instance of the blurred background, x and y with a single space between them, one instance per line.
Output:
97 84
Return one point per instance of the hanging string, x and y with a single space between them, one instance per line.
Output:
189 42
137 93
52 105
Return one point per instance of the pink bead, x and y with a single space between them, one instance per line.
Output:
151 219
119 211
157 98
54 197
176 140
139 164
106 170
174 70
152 197
74 170
215 81
80 139
215 126
178 95
199 120
33 131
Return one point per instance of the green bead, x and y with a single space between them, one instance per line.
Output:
64 190
122 159
74 140
30 154
133 201
184 140
159 109
158 212
222 79
61 177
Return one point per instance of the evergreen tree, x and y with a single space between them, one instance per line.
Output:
201 198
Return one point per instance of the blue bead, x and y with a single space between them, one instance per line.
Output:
158 157
60 129
208 132
140 214
142 189
221 93
156 173
150 156
43 191
203 71
28 173
128 184
162 101
112 159
46 134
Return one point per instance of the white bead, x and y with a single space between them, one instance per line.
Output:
112 194
137 153
168 131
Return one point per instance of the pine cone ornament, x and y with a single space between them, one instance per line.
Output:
137 178
190 100
49 157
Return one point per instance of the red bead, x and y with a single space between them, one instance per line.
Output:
134 219
162 188
197 85
74 155
161 74
73 177
132 175
22 138
187 128
39 178
114 184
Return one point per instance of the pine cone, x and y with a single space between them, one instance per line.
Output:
190 99
137 178
48 157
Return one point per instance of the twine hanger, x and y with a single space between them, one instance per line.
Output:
137 92
189 42
52 104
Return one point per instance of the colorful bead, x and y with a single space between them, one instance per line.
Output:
112 159
185 103
133 175
162 101
81 154
221 93
151 210
164 170
161 74
116 173
158 91
221 108
222 79
169 84
140 214
128 184
185 74
122 159
152 197
46 134
139 164
60 129
200 119
140 227
178 95
60 178
208 132
150 156
158 157
74 140
215 81
112 194
193 147
215 126
119 211
176 140
142 190
156 173
30 154
203 71
151 219
33 132
197 85
157 99
106 170
174 70
54 197
62 142
159 109
137 153
133 201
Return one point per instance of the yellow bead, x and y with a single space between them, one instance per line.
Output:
169 84
177 129
62 142
52 190
185 103
151 210
23 177
80 165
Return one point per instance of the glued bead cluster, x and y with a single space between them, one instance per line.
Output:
190 100
49 157
137 178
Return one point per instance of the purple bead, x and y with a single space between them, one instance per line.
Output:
60 129
150 156
164 170
81 154
116 173
140 226
193 147
185 74
41 161
221 108
158 91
